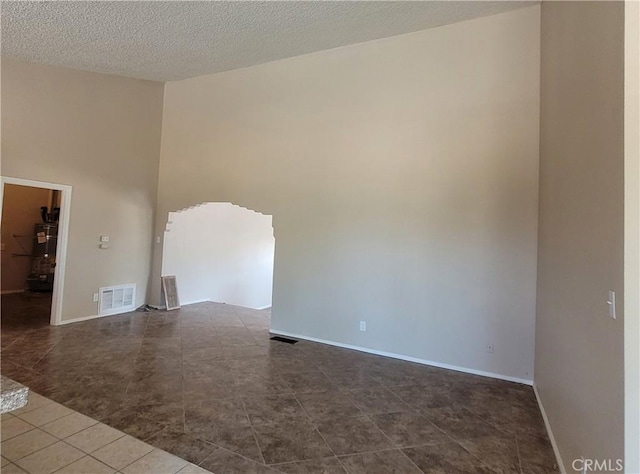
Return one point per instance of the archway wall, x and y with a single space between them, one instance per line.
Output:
401 175
220 252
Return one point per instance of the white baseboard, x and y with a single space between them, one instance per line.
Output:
95 316
211 301
83 318
407 358
552 438
11 292
193 302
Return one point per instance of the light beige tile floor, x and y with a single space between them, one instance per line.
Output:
45 437
69 425
26 443
93 438
43 415
146 463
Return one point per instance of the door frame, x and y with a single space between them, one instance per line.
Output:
63 235
632 237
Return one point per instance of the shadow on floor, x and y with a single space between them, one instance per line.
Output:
25 311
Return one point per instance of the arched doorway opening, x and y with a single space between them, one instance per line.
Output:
220 252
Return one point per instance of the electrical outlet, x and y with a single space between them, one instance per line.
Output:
490 348
363 325
95 297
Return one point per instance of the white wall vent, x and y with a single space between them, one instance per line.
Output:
117 299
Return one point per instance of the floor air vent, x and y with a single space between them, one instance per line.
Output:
117 299
283 339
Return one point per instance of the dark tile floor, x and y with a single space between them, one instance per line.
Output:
26 310
207 384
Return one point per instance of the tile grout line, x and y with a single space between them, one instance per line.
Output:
136 460
511 404
342 464
24 432
253 432
85 456
184 408
410 460
393 443
253 461
48 446
315 427
455 440
289 463
518 451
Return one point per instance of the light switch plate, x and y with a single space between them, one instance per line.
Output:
611 302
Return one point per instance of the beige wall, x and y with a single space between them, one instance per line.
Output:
20 212
402 177
101 135
579 349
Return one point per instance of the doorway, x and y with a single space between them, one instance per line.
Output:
35 224
220 252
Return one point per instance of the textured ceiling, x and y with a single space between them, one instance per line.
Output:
166 41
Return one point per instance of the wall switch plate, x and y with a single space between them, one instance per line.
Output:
95 297
104 238
490 348
103 246
611 302
363 325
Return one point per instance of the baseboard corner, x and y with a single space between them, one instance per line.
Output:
547 424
